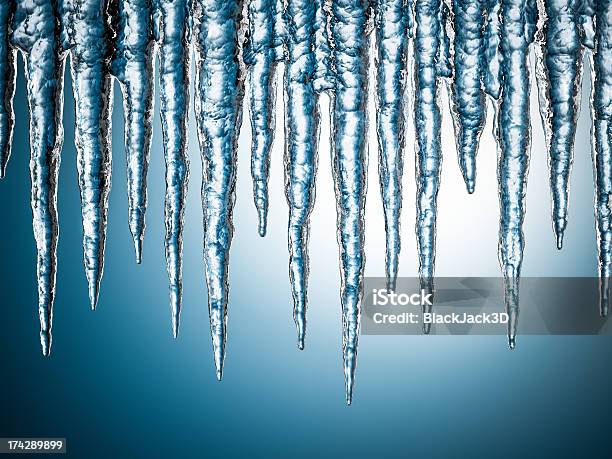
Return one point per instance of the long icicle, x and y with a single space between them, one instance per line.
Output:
427 121
219 92
7 84
349 150
133 66
173 36
301 142
392 25
468 98
514 137
262 91
35 33
602 145
92 88
559 69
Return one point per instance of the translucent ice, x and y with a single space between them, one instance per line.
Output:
35 34
219 92
559 71
131 22
513 137
349 160
7 83
392 23
86 35
173 35
301 141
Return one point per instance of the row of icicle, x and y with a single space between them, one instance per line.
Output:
479 47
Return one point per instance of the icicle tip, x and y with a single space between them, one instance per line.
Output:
138 249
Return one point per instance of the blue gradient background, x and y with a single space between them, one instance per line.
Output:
117 381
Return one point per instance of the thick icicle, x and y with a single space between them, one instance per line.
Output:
514 137
84 26
391 23
469 104
133 66
262 92
172 33
219 91
602 145
427 121
349 150
7 83
301 140
587 22
324 75
559 69
35 33
492 51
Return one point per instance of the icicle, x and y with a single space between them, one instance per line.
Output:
262 91
468 99
391 18
301 141
559 70
587 23
349 147
84 32
280 30
492 38
445 58
7 84
133 67
36 35
324 75
173 35
427 121
219 91
514 136
602 144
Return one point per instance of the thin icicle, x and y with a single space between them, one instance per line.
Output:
324 74
173 36
219 91
391 21
35 33
84 30
492 52
445 58
262 92
513 136
559 69
7 84
301 141
349 150
427 121
133 66
468 98
602 145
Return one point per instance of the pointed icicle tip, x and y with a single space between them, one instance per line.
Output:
219 374
175 327
93 295
2 171
512 342
219 359
300 343
470 185
138 249
45 343
560 240
426 328
262 228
